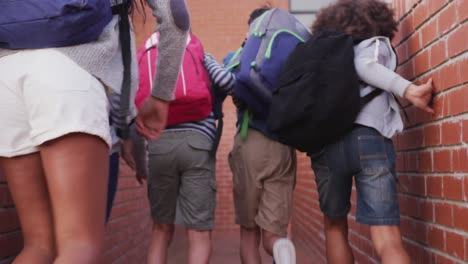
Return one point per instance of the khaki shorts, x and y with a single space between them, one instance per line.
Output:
182 180
264 174
45 95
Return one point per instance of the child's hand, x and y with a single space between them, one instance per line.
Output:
420 95
140 178
126 151
209 57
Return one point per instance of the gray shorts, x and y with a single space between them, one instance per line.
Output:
182 180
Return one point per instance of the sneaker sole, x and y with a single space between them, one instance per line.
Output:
284 244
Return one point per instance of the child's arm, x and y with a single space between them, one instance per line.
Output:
370 69
220 77
133 151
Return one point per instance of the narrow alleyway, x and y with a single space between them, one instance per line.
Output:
225 249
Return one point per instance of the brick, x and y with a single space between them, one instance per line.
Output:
421 14
9 220
451 133
2 177
422 63
458 41
455 244
421 116
426 210
447 19
443 214
429 32
453 188
435 6
402 53
412 139
434 186
464 68
460 160
458 101
442 161
449 77
441 259
409 206
425 161
462 7
460 214
440 105
438 53
465 188
10 244
418 186
404 184
418 231
406 70
465 130
432 135
406 27
436 238
5 197
414 44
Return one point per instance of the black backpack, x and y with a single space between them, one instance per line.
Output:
318 99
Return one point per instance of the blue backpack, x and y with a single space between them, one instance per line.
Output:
32 24
257 65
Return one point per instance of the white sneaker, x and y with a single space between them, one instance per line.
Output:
284 251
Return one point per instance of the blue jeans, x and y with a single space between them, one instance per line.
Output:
113 179
368 156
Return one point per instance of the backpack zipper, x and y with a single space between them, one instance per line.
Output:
149 70
234 57
258 24
270 44
194 60
183 81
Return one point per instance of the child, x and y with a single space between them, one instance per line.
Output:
54 148
264 173
367 151
181 167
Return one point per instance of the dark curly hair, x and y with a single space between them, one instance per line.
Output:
258 12
362 19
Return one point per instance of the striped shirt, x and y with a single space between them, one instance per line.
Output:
206 127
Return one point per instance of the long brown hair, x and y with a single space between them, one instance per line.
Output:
361 19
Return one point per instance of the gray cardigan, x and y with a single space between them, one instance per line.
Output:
103 58
375 62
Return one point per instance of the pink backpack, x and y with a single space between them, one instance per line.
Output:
193 100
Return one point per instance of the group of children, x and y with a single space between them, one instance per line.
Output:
264 170
52 160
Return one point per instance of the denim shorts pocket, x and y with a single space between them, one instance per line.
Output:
373 154
379 175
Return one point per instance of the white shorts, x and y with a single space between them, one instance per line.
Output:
45 95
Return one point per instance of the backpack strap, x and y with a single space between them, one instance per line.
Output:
218 96
217 139
370 96
124 38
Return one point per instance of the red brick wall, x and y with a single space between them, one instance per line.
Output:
432 151
10 235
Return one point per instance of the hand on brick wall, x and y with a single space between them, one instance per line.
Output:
420 95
